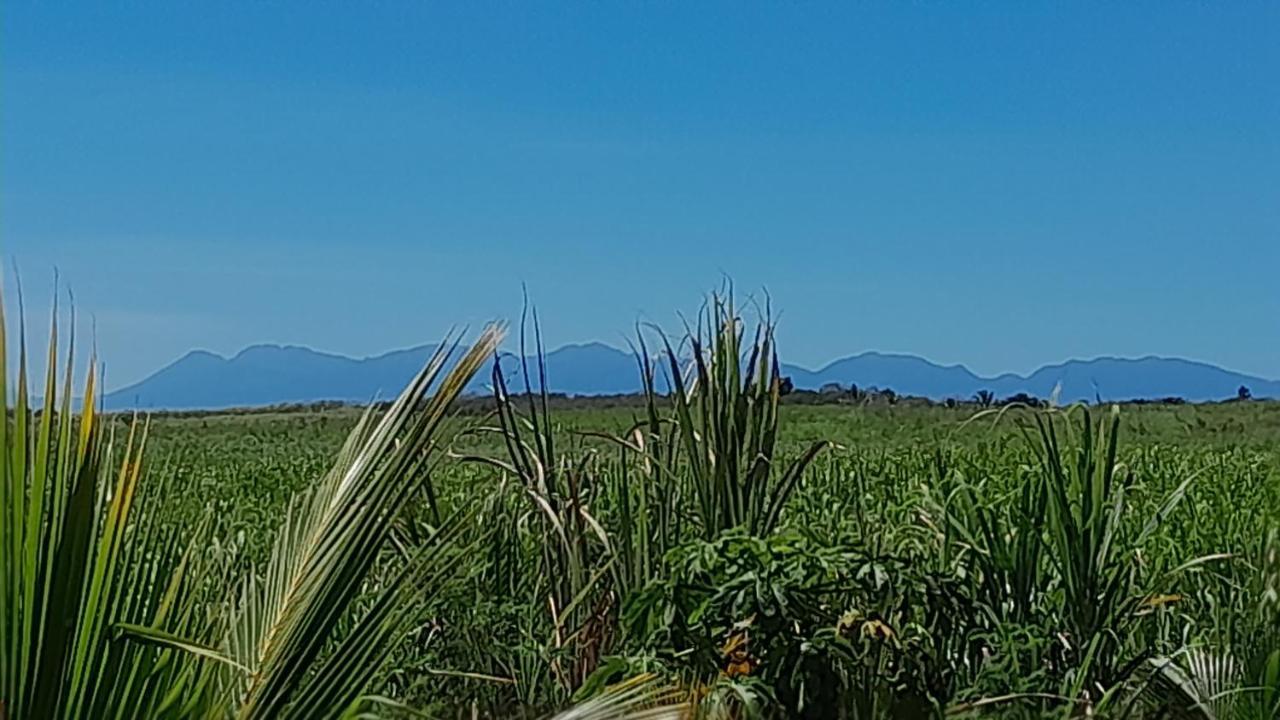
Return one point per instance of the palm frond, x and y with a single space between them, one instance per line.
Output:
71 519
332 537
640 698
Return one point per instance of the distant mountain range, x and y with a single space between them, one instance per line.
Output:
272 374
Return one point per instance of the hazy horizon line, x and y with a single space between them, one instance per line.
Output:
819 368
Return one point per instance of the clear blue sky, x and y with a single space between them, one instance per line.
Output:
998 184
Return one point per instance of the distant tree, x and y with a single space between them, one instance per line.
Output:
831 388
984 398
1243 393
1023 398
786 386
951 402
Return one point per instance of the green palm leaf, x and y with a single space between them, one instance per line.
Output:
328 544
68 525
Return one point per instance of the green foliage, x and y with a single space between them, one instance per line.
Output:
688 545
822 631
901 484
572 543
79 556
726 421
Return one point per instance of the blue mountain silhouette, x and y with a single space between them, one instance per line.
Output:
273 374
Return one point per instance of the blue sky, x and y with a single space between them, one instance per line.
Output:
997 184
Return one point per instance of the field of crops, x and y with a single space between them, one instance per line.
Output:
712 553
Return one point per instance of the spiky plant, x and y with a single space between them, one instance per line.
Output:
60 540
646 488
82 551
556 485
1094 551
726 420
82 562
331 539
1004 535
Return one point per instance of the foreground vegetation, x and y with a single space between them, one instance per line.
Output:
711 552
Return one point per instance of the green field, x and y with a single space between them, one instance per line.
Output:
717 552
882 494
276 453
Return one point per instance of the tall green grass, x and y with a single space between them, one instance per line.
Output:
726 419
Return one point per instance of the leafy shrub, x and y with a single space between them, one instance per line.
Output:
812 630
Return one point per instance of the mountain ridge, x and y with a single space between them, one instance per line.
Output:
271 374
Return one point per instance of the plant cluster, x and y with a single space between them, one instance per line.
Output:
701 552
